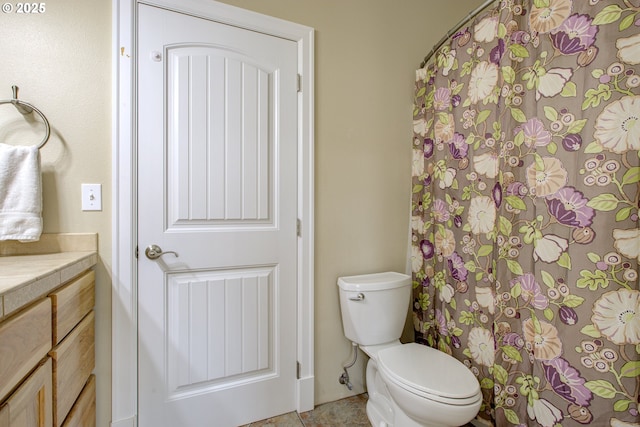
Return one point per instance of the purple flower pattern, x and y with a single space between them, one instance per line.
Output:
569 207
566 381
575 35
529 199
530 291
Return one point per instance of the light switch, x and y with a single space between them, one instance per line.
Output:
91 197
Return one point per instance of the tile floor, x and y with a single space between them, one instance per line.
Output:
345 412
349 412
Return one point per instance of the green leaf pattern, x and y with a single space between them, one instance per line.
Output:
525 209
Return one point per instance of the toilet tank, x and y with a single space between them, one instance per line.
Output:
374 306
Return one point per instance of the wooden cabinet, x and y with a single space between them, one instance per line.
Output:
73 362
30 405
83 412
71 303
47 355
25 340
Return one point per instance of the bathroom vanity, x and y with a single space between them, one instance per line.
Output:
47 331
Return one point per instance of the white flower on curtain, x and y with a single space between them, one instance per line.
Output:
486 299
482 215
481 346
629 49
416 259
526 262
552 82
418 163
484 78
486 30
420 127
487 164
544 413
627 242
616 314
618 126
549 248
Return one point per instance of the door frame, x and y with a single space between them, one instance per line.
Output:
124 303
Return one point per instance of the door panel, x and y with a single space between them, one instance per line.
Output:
224 320
217 185
216 100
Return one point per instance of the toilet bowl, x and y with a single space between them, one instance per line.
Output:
409 385
430 386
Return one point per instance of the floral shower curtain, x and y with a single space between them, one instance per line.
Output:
525 229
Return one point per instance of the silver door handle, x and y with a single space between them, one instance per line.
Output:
358 297
155 252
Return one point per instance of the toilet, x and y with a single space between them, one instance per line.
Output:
409 385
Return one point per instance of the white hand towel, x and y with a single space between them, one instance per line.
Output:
20 193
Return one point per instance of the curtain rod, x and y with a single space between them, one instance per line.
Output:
455 29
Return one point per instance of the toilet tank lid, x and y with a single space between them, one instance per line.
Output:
374 282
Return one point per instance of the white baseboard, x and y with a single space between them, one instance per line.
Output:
129 422
306 394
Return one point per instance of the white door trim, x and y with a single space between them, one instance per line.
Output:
124 275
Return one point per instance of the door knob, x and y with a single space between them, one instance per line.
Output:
155 252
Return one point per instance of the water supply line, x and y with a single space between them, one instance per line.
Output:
344 378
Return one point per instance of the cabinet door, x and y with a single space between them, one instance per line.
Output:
73 361
30 405
25 339
71 303
83 412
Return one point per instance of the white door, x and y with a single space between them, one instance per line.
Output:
217 184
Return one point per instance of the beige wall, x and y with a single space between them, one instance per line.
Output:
61 60
366 52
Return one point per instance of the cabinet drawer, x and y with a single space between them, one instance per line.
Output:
83 413
71 303
25 339
30 405
73 362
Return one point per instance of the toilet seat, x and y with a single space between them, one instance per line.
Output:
430 374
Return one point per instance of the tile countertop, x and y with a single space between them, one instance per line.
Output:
29 271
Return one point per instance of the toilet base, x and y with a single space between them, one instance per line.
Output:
376 415
383 411
379 417
379 405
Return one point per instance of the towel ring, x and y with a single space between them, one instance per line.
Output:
25 108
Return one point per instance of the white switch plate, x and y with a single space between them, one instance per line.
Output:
91 197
